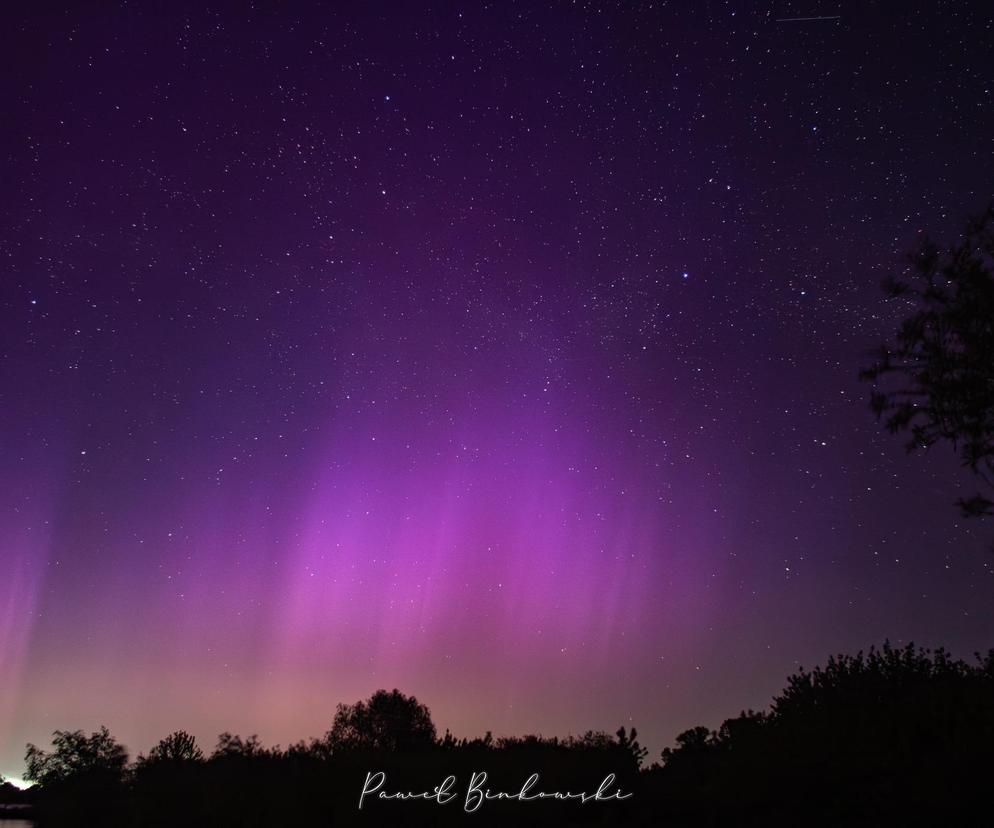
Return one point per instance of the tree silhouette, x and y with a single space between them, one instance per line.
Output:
690 743
628 742
936 381
893 736
175 748
76 755
868 739
229 746
387 721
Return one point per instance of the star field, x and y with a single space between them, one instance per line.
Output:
502 353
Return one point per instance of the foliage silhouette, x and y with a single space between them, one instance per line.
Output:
235 747
76 755
175 748
936 381
387 721
627 741
81 778
895 736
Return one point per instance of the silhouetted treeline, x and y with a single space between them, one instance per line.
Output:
891 737
13 801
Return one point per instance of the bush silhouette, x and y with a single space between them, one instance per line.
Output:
387 721
176 748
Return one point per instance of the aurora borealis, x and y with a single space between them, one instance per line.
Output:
502 353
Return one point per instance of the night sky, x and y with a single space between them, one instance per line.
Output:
502 353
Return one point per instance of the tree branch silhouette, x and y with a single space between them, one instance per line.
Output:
935 381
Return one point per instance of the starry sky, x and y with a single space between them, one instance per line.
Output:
504 353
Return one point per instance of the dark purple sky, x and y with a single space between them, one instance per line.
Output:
505 354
